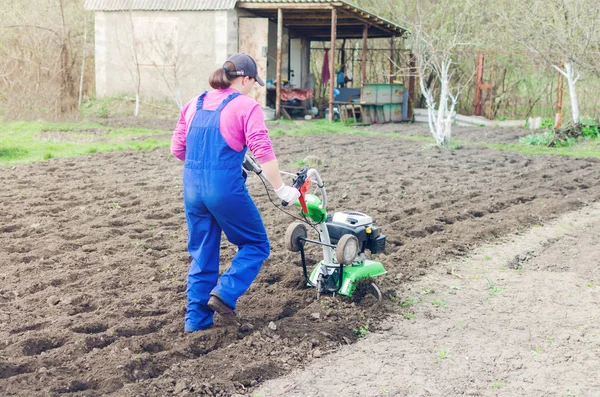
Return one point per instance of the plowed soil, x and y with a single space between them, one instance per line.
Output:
93 259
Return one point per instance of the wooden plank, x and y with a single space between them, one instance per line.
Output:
478 82
392 59
288 6
412 65
363 62
323 23
279 46
285 113
332 61
374 21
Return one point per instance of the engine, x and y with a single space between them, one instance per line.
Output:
358 224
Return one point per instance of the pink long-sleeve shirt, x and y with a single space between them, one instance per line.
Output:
242 124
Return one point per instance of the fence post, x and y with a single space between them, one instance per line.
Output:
560 90
478 83
411 85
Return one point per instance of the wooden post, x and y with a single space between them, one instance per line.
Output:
392 59
411 85
363 62
279 45
491 96
478 81
560 90
332 61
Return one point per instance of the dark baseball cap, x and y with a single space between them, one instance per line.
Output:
244 66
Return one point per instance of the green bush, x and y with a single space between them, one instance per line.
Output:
537 139
590 131
547 123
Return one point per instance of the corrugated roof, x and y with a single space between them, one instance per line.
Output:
296 16
159 5
289 1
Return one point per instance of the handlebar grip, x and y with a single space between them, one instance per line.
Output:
284 203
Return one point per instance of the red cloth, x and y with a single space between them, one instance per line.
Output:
325 72
287 94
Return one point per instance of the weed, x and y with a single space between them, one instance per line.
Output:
439 304
408 316
493 288
442 354
393 298
497 384
407 302
102 111
362 330
427 291
48 156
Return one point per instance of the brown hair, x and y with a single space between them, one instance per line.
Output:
219 79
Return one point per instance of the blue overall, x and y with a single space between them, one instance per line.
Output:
216 199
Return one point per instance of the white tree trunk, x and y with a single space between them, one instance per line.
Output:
440 119
569 74
137 104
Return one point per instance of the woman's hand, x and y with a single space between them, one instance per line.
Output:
287 194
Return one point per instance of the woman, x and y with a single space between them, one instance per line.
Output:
212 136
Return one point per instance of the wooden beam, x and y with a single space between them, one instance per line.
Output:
279 46
332 62
363 63
324 23
319 37
287 6
285 114
392 59
478 83
412 65
373 21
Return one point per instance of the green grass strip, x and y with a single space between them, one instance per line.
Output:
25 142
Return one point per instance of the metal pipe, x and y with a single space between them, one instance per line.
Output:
332 76
316 242
279 46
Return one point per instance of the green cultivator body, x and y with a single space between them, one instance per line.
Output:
351 275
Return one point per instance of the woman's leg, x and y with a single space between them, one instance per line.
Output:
243 226
204 242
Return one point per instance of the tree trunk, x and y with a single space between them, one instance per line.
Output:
569 74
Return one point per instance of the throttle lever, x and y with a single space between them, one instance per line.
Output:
300 182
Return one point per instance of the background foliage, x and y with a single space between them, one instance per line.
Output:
47 55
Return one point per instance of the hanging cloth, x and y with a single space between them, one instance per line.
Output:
325 72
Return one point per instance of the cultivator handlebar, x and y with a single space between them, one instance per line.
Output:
301 182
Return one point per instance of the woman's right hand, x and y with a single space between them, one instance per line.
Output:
287 194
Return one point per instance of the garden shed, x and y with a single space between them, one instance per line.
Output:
168 48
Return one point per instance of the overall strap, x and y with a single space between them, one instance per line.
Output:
231 97
200 101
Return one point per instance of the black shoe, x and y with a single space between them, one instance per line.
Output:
228 314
